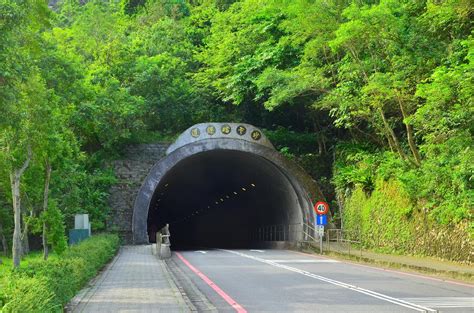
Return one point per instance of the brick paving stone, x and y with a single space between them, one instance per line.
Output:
135 281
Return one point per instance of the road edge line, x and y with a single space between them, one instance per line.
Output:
237 307
418 275
371 293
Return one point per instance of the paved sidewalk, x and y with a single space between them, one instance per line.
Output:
135 281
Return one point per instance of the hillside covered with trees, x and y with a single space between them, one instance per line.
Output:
373 98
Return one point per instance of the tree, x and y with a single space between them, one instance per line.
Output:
56 144
23 95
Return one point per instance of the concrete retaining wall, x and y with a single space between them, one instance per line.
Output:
131 170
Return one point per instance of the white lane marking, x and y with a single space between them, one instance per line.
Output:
253 250
444 302
303 261
200 251
393 271
371 293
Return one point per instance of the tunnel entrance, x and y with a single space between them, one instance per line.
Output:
220 198
223 191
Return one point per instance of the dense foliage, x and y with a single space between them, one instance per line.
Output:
362 93
46 286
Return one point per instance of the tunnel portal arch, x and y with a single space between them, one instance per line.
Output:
219 181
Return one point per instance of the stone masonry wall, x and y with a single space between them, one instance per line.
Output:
131 170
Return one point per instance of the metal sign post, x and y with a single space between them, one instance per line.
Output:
320 229
321 209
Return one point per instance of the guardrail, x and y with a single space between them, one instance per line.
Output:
342 241
277 232
311 233
336 240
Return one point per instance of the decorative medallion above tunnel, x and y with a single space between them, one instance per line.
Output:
218 185
220 131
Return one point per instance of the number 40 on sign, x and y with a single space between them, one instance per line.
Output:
321 208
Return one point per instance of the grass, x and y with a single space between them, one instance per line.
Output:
7 262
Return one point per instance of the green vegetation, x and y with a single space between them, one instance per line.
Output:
387 221
373 97
45 286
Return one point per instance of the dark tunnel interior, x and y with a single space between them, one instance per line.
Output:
220 198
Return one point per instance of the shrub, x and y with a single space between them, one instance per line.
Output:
59 275
386 220
51 284
28 294
396 206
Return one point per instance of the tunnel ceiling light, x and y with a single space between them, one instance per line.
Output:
222 200
244 189
235 193
166 185
253 185
217 202
227 197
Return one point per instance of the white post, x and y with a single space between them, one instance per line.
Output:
320 244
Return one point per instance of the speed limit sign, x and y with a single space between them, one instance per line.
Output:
321 208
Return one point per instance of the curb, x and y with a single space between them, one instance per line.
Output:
458 277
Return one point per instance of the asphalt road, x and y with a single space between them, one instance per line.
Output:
288 281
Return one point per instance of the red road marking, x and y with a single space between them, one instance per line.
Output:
216 288
391 271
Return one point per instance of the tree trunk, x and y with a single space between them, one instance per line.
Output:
16 248
45 242
340 204
394 138
320 145
370 136
15 179
45 208
25 243
410 137
390 142
4 241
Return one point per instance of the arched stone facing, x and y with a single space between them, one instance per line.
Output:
186 148
203 131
